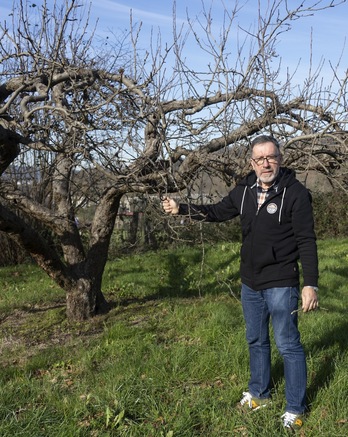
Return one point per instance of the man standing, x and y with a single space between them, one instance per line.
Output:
277 230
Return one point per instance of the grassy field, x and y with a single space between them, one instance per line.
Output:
169 359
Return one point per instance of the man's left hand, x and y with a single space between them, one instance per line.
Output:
309 299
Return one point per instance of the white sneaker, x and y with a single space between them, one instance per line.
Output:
292 421
251 402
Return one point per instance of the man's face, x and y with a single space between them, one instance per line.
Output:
268 170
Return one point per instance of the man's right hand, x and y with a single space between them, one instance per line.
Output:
170 206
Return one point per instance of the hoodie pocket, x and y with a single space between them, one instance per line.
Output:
263 256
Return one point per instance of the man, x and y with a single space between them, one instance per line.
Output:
277 228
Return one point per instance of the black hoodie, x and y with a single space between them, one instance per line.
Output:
275 236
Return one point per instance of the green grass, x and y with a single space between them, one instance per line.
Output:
169 359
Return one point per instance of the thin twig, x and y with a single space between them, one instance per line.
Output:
300 309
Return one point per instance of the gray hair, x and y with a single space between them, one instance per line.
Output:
261 139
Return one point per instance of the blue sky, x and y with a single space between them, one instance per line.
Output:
328 28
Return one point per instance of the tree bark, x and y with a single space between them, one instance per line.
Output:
85 300
80 277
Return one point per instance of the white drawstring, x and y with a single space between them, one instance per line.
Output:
242 203
281 205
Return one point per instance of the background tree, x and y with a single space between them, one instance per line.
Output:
84 124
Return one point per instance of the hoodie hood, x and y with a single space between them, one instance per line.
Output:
285 179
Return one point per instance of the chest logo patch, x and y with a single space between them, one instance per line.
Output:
272 208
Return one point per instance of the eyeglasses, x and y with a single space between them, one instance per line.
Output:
271 159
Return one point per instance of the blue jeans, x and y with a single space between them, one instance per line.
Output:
258 308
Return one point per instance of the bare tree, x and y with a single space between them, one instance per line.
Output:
82 123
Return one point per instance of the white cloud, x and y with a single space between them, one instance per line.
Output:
109 10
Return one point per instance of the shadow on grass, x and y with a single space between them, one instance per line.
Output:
180 280
330 346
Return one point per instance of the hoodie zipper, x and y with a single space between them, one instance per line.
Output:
257 213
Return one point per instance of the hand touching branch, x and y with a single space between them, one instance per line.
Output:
170 206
